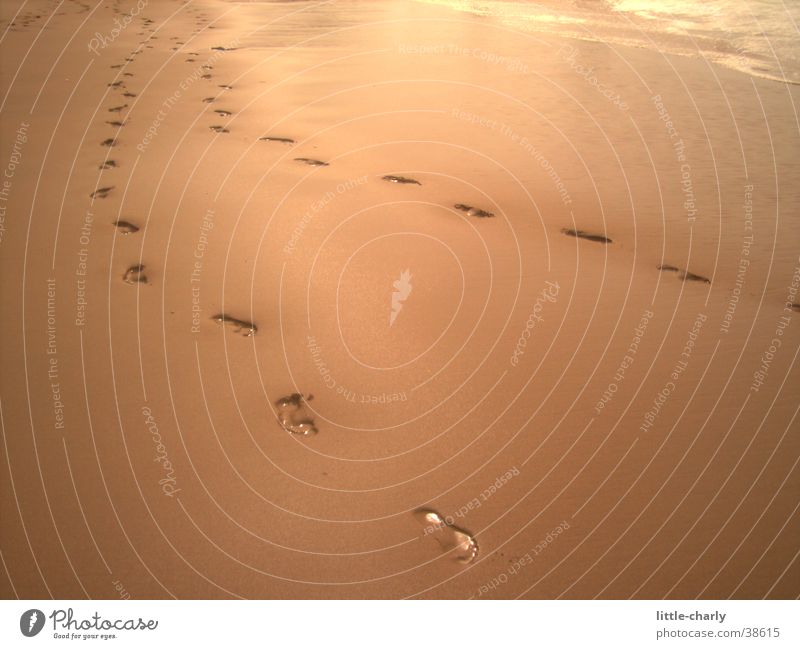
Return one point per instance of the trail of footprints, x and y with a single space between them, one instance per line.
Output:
292 412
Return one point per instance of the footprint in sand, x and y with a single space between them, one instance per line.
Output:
128 94
293 416
126 227
117 109
101 193
109 142
580 234
219 129
473 211
224 49
239 326
205 76
108 164
451 539
116 123
284 140
312 162
225 86
402 180
685 275
691 277
135 275
223 113
208 100
116 84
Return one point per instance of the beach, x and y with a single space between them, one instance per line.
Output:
278 276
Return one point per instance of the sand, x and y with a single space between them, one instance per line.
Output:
599 426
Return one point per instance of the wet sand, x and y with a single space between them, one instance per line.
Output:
239 362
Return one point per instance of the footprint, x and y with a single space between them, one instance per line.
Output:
208 100
452 539
205 76
219 129
109 142
312 162
473 211
794 306
116 84
685 275
223 113
101 193
128 94
224 49
116 123
135 275
580 234
293 416
126 227
691 277
401 180
240 326
285 140
225 86
108 164
117 109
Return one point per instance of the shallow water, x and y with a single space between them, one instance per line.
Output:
754 36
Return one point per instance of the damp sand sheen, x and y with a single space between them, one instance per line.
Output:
311 241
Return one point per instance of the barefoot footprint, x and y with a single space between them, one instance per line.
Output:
402 180
240 326
312 162
293 416
473 211
101 193
452 539
269 138
580 234
135 275
685 275
126 227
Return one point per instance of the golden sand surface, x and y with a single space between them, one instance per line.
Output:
562 363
